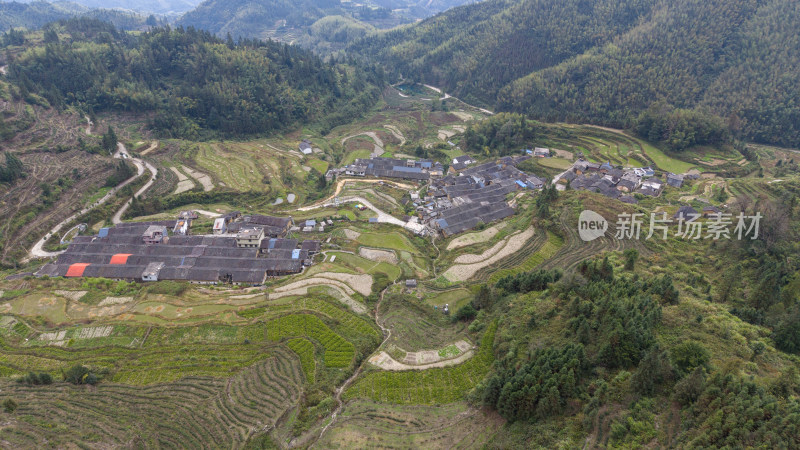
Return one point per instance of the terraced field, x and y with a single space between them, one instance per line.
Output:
338 352
366 424
236 171
196 412
574 249
426 387
528 259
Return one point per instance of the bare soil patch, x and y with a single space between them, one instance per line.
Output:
201 178
463 272
386 362
373 254
72 295
475 238
351 234
115 301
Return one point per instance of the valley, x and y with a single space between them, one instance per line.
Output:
253 246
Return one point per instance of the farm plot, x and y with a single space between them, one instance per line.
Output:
237 170
432 386
330 289
365 424
529 261
573 250
184 183
463 272
370 267
201 178
394 241
377 255
195 412
349 321
305 351
475 238
350 283
338 352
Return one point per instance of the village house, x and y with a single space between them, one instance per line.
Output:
407 169
651 187
305 147
249 238
220 225
155 234
151 271
674 180
181 226
711 211
121 254
686 213
460 163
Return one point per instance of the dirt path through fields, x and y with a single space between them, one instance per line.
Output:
379 147
396 133
153 146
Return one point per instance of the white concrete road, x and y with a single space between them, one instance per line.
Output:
122 153
382 216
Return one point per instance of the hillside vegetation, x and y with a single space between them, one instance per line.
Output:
607 61
194 84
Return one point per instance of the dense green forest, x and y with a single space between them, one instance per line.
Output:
596 355
195 84
605 62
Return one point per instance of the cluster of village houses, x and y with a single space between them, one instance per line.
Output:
467 196
248 249
617 183
251 249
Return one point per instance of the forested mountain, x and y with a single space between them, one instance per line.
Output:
607 61
191 83
36 14
277 19
255 18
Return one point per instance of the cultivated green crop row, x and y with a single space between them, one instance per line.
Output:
338 352
305 350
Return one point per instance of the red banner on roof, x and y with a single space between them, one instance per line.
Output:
76 270
120 258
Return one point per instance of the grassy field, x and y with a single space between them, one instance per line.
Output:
554 163
394 241
663 161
